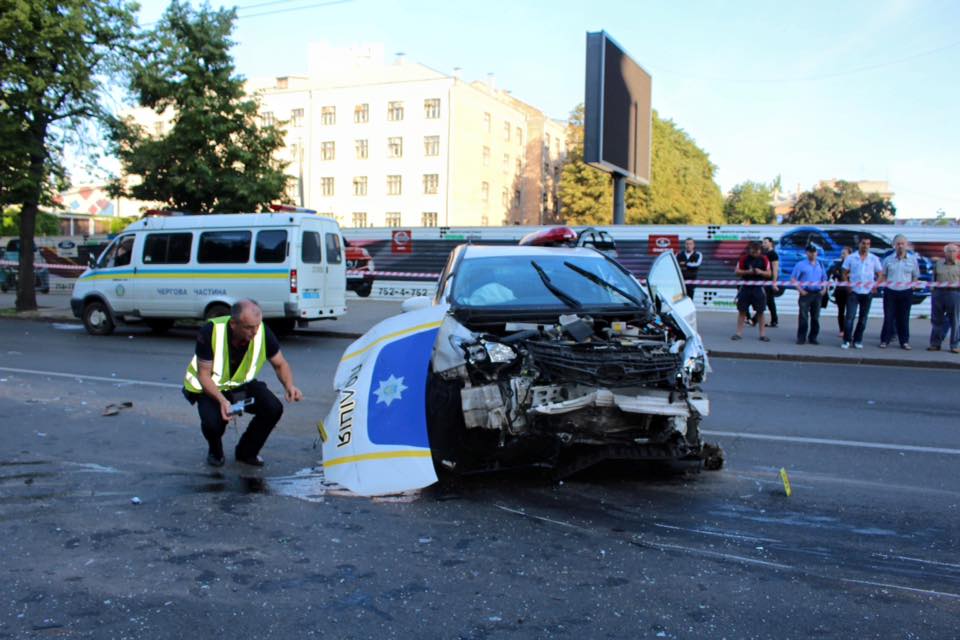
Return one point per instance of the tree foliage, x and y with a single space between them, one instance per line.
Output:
749 203
215 158
841 203
682 188
54 56
47 224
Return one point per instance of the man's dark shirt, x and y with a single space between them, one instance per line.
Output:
205 345
772 257
689 264
748 262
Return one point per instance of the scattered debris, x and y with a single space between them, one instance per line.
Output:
786 482
113 409
135 500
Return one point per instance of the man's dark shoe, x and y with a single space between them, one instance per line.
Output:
814 341
772 325
802 341
253 461
215 461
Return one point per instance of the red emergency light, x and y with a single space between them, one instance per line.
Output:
552 237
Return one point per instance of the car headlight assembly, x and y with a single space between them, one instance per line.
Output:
499 353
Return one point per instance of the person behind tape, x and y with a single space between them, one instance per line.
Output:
807 277
689 260
900 268
230 352
945 301
752 267
861 269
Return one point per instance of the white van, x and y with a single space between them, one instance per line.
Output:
163 268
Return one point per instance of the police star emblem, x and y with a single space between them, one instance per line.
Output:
390 389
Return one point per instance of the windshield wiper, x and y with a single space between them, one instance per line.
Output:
566 298
592 277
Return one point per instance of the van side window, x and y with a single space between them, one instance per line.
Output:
224 247
271 246
121 253
167 248
333 249
310 252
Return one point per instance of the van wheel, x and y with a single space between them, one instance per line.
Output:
159 325
216 311
364 290
96 319
282 326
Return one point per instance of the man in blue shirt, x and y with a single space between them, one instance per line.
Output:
807 277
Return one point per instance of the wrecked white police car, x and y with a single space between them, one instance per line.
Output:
527 355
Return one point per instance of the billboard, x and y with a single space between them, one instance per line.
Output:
617 111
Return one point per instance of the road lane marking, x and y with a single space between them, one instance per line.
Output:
58 374
735 536
920 560
832 442
929 592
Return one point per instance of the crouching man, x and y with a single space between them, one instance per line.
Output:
230 352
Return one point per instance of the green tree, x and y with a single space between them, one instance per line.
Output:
54 58
682 189
749 203
47 224
215 158
841 203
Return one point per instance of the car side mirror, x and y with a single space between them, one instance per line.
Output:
416 303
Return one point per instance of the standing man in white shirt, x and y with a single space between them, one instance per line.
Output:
862 270
900 268
690 260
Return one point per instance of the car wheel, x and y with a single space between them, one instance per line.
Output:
216 310
282 326
159 325
96 319
364 290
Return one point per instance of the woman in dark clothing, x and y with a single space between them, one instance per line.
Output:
840 293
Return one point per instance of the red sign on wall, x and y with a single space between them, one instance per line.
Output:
657 244
401 241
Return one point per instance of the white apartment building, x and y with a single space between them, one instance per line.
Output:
397 144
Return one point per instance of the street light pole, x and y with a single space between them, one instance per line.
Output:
619 198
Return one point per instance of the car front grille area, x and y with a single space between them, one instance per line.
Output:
606 364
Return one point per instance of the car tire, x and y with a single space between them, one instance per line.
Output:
97 319
282 326
216 310
159 325
364 290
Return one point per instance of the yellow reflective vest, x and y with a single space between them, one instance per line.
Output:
223 377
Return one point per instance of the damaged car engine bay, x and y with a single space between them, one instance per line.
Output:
567 390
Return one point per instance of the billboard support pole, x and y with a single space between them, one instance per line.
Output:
619 198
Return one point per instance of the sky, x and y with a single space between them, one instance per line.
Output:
808 90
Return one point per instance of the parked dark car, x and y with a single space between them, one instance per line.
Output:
792 245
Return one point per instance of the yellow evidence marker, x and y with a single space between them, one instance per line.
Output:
786 482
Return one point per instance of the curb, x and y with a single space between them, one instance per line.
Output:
881 362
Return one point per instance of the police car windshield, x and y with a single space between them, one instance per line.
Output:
513 282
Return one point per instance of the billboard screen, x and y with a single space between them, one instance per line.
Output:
617 111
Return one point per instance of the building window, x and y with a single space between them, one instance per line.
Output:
394 147
506 163
267 119
487 121
360 186
516 198
431 145
505 198
359 219
328 115
326 186
328 150
360 146
158 128
395 111
485 192
361 114
431 183
392 218
431 108
506 131
428 219
519 166
486 156
484 221
556 173
296 117
394 185
519 136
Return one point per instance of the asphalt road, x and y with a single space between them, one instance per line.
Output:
865 547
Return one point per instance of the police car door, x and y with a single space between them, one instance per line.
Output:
665 281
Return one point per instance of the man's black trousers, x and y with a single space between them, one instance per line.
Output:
266 409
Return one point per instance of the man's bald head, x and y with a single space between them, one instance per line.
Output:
245 318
